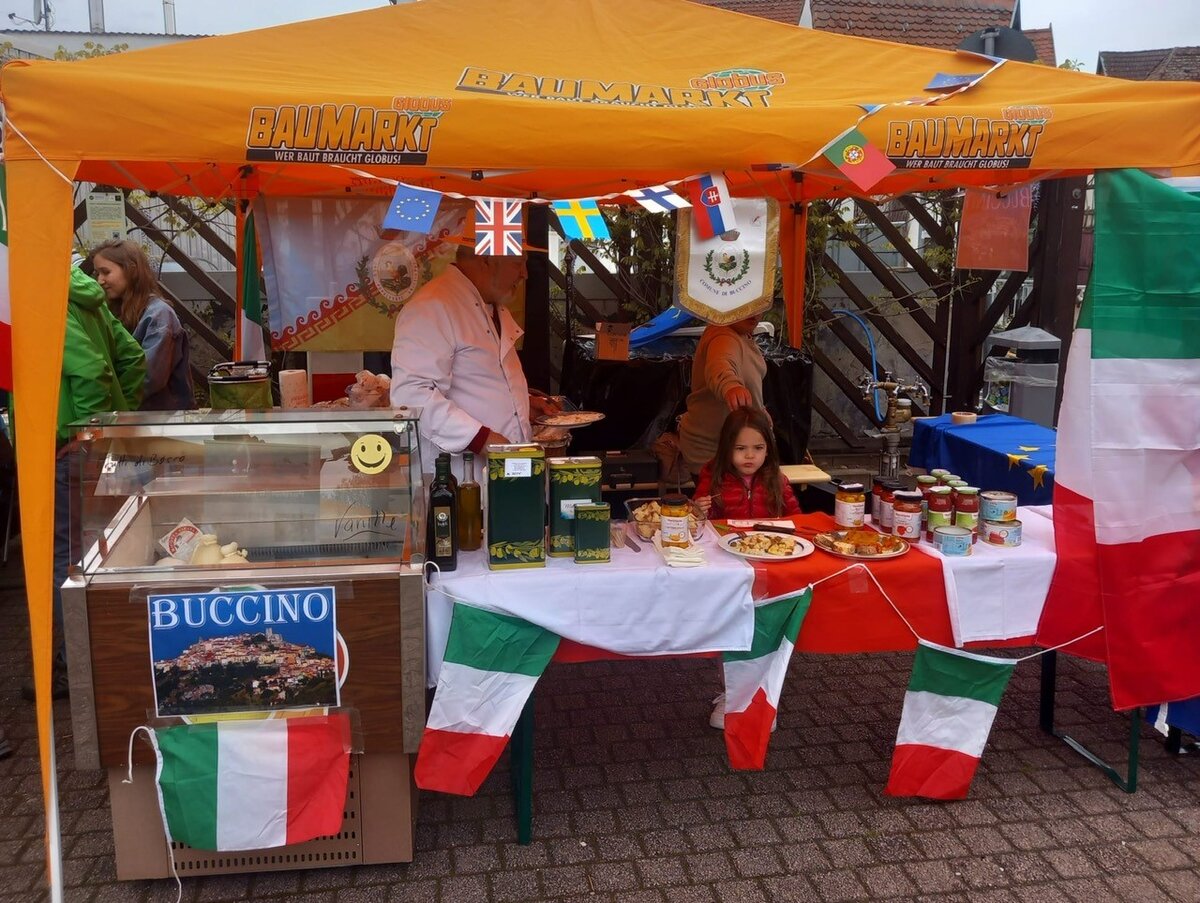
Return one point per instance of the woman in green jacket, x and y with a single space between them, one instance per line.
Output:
103 369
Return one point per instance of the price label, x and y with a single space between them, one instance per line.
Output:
518 467
109 465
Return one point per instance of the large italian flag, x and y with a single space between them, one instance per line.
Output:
948 712
249 785
1127 474
491 666
754 679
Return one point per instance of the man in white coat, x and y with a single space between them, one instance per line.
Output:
455 357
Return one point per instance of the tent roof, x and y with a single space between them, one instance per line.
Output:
180 118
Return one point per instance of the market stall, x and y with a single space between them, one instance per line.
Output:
438 95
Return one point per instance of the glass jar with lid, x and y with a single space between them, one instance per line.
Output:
674 510
906 515
939 510
849 506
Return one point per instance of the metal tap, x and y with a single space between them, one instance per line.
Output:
894 390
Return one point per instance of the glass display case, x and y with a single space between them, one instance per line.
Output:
194 534
171 490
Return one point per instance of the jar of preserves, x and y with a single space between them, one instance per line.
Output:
906 515
946 478
673 515
849 506
966 510
876 491
939 510
924 483
937 472
887 501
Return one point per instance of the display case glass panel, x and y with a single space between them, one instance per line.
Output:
195 489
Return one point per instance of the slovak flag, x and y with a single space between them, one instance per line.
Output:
498 227
712 208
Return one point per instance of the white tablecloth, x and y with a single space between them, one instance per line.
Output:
634 605
997 593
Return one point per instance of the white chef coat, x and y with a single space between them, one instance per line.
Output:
448 360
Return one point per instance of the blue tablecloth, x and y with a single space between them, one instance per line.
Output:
995 452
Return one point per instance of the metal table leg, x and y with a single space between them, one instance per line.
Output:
1046 719
521 756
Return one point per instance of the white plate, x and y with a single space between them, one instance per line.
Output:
896 553
569 419
801 549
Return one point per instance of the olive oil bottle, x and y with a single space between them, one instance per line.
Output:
442 534
470 508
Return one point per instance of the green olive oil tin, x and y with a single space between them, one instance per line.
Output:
591 534
516 506
573 482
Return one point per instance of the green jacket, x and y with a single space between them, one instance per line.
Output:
104 367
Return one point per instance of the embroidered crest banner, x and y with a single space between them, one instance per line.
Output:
729 277
336 279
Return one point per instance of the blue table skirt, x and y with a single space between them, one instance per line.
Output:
995 452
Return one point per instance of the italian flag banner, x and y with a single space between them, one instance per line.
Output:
251 345
1127 474
491 666
949 707
250 785
754 679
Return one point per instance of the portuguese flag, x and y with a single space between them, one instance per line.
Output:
862 162
1127 474
754 679
491 665
249 785
948 712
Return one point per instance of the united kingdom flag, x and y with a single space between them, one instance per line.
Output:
498 227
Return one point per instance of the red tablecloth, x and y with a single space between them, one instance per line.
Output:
848 614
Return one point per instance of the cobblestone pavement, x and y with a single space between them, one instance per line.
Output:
635 802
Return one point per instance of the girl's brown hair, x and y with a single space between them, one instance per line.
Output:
757 420
141 285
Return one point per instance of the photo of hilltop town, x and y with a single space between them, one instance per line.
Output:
243 672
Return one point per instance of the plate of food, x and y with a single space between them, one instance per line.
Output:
569 419
861 544
760 545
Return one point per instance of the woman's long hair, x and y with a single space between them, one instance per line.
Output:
140 286
770 475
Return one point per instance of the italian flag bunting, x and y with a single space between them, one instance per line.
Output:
948 712
250 785
250 343
754 679
491 665
1127 474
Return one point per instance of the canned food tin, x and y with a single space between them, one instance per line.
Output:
994 505
952 540
1002 532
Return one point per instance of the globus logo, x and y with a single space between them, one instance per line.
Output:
741 79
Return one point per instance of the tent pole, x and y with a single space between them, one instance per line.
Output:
40 227
793 242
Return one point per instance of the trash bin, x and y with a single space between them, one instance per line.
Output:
1020 373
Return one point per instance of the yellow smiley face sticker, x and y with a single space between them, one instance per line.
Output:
370 454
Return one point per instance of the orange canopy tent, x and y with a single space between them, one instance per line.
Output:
516 98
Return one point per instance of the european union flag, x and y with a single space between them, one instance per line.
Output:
412 209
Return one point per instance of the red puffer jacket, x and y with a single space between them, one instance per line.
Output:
740 499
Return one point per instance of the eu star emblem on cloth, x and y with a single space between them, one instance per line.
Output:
581 219
1038 474
860 160
1015 459
658 199
412 209
498 227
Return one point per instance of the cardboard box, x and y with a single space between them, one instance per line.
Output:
573 481
516 506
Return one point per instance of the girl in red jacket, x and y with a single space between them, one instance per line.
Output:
744 480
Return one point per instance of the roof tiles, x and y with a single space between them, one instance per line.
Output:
1167 64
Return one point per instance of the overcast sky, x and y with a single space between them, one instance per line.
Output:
1082 28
